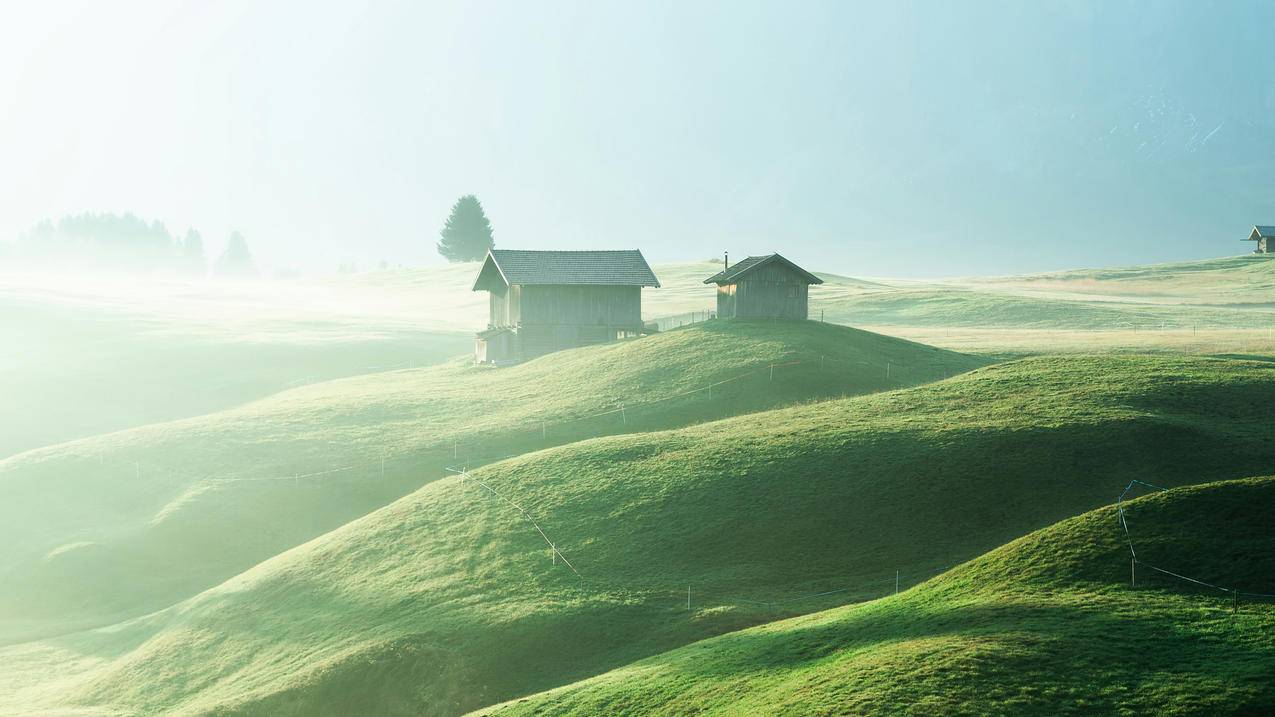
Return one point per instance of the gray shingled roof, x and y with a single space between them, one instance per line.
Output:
624 267
1264 231
731 274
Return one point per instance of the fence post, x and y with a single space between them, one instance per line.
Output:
382 467
887 370
542 430
896 582
1133 572
821 362
624 418
772 372
688 597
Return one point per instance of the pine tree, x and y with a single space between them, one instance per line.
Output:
467 234
192 254
236 260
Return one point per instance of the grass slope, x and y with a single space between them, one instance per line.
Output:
446 600
104 528
1046 625
75 368
1232 292
1233 280
1229 292
1206 306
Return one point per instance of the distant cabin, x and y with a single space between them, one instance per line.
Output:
546 301
768 287
1263 235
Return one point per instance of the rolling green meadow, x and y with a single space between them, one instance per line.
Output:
1046 624
302 496
830 358
92 356
199 500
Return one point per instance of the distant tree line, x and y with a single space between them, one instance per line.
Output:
125 243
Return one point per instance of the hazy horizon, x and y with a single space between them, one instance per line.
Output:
908 140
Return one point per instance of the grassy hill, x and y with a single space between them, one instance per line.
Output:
447 600
114 357
1228 292
1047 625
105 528
1231 292
1206 306
1224 293
1234 280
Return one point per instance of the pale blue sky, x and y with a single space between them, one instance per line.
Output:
873 139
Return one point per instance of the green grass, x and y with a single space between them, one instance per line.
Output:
1232 292
1046 625
1130 309
957 308
105 528
1211 294
446 600
94 354
75 368
1237 280
1226 293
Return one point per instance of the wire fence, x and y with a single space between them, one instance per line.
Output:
1135 561
893 375
479 445
862 586
700 596
673 321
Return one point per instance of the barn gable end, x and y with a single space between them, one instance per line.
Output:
1264 235
767 286
545 301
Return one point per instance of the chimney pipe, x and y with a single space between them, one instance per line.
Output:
725 261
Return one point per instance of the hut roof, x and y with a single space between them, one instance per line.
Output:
624 267
1262 231
731 274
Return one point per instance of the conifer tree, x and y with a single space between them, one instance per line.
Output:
236 260
192 254
467 234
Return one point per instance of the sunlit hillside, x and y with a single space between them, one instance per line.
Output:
1236 282
1224 305
94 354
84 355
198 500
1047 625
730 359
451 598
1200 296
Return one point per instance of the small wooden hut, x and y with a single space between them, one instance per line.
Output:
768 287
1265 237
545 301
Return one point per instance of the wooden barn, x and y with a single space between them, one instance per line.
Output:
1265 237
545 301
769 287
